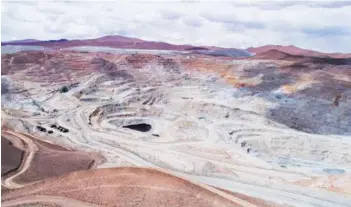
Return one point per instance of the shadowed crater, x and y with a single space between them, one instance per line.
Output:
139 127
11 157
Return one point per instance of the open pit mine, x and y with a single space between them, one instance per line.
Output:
90 126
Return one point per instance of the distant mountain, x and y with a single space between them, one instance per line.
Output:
117 41
293 50
60 40
274 54
117 38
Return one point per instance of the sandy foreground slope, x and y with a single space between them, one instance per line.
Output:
268 128
126 186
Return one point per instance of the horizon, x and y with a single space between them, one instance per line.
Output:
308 25
259 46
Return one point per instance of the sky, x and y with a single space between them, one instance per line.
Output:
323 26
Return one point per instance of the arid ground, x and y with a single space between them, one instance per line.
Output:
91 126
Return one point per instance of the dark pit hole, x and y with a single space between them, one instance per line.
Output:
50 132
155 135
278 96
139 127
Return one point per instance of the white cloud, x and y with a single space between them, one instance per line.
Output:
321 26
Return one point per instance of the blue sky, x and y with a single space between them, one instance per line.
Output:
323 26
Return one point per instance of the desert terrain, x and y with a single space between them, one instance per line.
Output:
90 126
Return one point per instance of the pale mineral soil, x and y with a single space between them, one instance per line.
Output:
271 129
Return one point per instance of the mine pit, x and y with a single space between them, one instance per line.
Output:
139 127
216 127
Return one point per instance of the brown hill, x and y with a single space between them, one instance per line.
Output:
125 186
274 54
296 51
27 159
